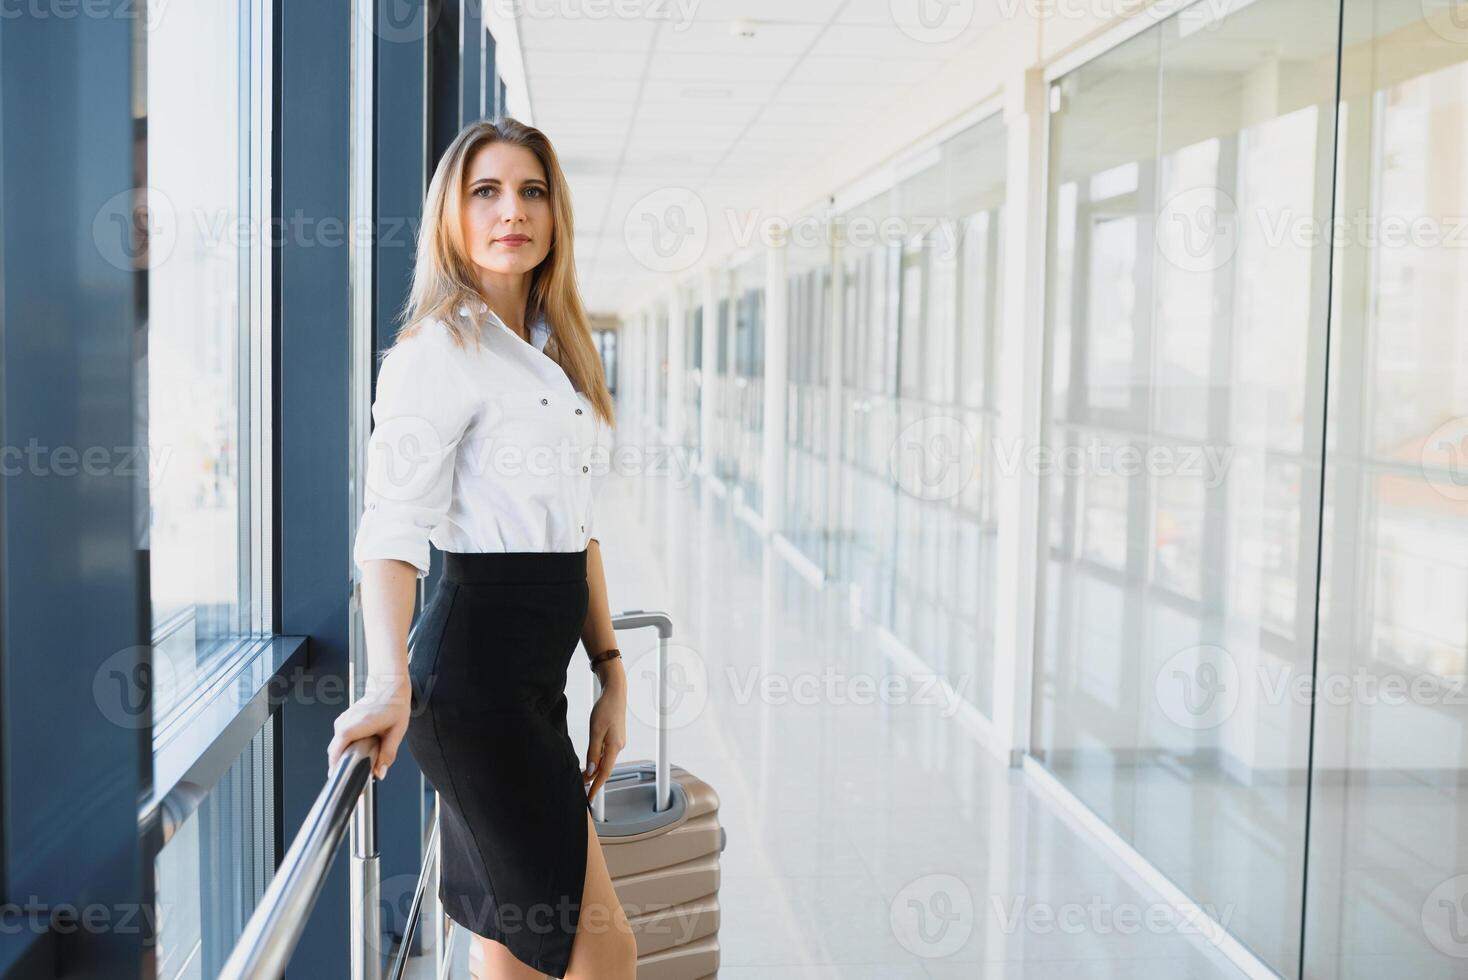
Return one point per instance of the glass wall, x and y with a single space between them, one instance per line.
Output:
205 367
660 366
863 547
217 865
692 368
943 458
721 394
920 311
1252 631
1186 329
807 396
606 349
1388 881
203 364
747 393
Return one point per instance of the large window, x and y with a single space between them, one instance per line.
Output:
807 441
747 392
919 318
205 367
1389 815
1187 323
692 370
720 392
943 459
660 367
866 516
206 352
216 867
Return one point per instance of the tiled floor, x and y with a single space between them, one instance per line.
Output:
868 837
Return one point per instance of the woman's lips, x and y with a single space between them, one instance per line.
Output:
512 241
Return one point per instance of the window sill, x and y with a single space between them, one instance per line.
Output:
191 756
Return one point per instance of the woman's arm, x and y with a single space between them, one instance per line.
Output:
389 593
424 405
597 635
389 588
609 715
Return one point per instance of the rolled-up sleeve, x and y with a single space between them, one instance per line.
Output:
423 406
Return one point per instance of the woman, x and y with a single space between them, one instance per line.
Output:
487 407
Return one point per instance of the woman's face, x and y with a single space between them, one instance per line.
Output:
506 209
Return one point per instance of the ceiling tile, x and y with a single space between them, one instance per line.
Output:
714 37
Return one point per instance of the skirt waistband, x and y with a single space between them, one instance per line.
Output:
476 567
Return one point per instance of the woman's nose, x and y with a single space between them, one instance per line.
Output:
512 214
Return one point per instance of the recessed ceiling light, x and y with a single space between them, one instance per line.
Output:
741 27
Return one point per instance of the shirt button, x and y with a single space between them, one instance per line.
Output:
372 506
544 402
585 469
578 411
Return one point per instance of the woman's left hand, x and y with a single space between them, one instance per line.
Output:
608 727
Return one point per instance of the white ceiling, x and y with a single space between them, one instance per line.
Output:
665 118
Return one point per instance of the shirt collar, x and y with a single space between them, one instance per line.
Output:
540 330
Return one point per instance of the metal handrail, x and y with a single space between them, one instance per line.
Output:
415 910
270 937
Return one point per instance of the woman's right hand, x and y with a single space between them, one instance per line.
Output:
383 710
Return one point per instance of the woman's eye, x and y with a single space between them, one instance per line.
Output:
538 192
483 191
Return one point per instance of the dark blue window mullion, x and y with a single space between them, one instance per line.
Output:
400 170
69 316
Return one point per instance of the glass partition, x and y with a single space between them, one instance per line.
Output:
692 368
660 367
864 546
807 399
1388 881
944 457
1186 324
721 392
747 390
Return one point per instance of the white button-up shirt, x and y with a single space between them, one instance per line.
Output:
477 450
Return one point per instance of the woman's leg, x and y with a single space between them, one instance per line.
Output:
604 947
490 960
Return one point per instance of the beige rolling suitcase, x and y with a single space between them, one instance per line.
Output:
659 829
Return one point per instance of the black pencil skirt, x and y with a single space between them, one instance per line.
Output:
488 729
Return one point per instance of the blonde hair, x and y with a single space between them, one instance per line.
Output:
444 277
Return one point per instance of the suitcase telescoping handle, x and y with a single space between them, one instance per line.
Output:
633 619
